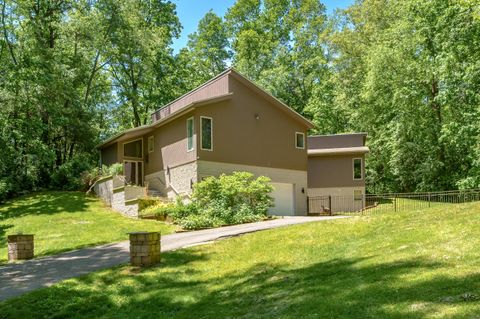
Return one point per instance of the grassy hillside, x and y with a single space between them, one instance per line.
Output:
423 264
66 220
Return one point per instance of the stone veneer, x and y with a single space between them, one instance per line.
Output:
20 247
144 248
122 198
180 179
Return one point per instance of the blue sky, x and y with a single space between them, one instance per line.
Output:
191 11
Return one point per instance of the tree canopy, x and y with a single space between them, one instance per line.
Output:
407 72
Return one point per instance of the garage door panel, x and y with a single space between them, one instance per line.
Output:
283 199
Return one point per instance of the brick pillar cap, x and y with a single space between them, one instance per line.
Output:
143 232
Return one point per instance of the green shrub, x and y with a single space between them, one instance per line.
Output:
5 189
160 210
238 193
199 221
226 200
89 177
68 176
146 202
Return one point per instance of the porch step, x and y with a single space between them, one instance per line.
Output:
155 193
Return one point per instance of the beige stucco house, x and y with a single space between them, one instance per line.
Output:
227 124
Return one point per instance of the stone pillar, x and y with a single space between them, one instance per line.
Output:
144 248
20 247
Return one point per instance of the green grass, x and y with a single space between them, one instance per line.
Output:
418 264
64 221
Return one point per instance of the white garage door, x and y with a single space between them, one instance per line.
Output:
283 199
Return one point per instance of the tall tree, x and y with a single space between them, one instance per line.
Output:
139 55
411 75
207 49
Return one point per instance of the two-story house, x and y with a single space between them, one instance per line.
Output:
227 124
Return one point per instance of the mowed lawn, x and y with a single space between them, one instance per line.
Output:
64 221
420 264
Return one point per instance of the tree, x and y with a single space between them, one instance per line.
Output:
207 50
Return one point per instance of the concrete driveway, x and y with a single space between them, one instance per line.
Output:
16 279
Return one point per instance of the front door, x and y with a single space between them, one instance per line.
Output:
133 171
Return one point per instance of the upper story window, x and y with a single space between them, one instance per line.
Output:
190 130
357 169
133 149
206 137
299 140
151 144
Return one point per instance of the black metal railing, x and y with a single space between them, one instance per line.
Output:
393 202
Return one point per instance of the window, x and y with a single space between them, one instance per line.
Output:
357 169
357 194
151 144
299 140
206 133
133 149
190 130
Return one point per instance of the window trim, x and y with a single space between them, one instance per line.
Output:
193 134
123 148
303 138
152 139
361 168
211 133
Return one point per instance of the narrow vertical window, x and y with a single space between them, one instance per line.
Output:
151 144
357 169
206 133
190 130
299 140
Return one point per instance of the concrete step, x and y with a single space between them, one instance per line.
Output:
155 193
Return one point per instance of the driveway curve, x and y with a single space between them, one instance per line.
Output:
16 279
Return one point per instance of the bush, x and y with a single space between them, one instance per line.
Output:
5 189
69 176
89 177
147 202
226 200
239 193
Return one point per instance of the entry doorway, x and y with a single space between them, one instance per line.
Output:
133 171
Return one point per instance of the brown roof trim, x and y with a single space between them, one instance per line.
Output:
190 107
272 98
165 120
339 151
119 135
194 90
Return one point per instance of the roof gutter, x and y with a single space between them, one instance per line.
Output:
338 151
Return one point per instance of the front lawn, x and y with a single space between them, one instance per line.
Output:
64 221
419 264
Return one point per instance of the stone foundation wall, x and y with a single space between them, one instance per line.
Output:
180 179
123 199
104 189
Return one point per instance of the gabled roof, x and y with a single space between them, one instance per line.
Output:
167 116
282 106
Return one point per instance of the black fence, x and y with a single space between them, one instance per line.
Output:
395 202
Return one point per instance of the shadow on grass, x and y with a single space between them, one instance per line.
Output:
340 288
3 235
45 203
